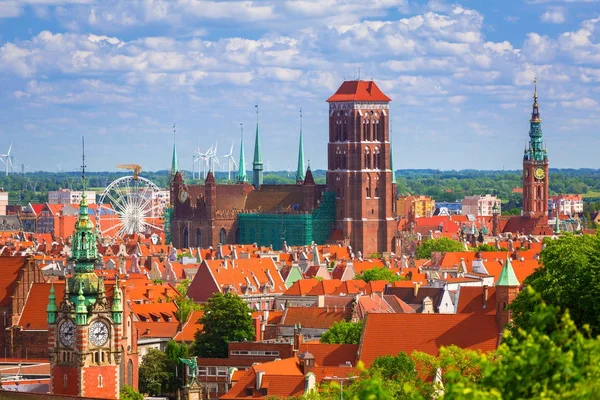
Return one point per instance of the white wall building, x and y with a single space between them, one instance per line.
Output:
3 202
155 202
67 196
480 206
567 204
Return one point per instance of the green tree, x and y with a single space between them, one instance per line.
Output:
548 358
343 333
379 274
569 279
185 306
157 374
488 247
183 286
227 318
129 393
425 248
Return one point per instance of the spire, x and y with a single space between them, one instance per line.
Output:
536 151
80 307
257 176
52 308
300 170
117 305
308 179
174 162
241 177
507 275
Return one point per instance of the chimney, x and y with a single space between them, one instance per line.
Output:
307 362
259 378
485 295
150 293
416 288
257 330
427 305
298 338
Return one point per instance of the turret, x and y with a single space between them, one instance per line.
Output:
257 164
308 192
117 305
52 308
81 310
507 289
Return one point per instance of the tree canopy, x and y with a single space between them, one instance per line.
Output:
343 333
569 278
227 318
157 374
425 248
378 274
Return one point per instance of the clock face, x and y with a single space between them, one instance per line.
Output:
539 173
66 333
98 333
183 196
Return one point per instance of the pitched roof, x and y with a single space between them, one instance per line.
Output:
315 317
34 315
359 91
470 299
189 329
507 275
9 267
425 333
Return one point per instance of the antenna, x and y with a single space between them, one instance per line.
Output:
256 105
300 119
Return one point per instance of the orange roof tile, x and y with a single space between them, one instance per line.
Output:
425 333
471 300
9 267
315 317
189 329
359 91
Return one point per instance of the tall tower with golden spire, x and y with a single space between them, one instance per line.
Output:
86 338
535 166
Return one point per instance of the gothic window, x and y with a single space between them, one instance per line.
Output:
375 130
223 236
185 238
368 192
130 373
364 131
198 238
338 130
344 131
539 192
367 158
377 158
376 192
65 381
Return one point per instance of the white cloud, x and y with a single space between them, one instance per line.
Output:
457 99
10 9
586 102
554 15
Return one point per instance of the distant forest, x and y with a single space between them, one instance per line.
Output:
441 185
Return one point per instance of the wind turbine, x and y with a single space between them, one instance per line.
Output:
268 166
230 161
214 158
204 158
7 159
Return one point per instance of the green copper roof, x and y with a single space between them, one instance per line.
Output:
52 307
80 306
241 176
174 162
117 306
257 148
507 275
535 151
300 170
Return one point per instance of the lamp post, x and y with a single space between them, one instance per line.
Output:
341 381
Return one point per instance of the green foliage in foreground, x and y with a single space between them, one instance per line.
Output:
379 274
129 393
343 333
425 248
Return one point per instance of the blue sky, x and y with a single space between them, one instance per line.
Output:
459 74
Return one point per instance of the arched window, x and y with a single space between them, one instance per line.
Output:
368 192
363 132
198 238
222 236
130 373
377 158
376 191
344 131
186 242
539 192
367 158
65 380
375 130
99 381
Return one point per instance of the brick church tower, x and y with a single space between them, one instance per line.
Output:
359 166
535 167
85 331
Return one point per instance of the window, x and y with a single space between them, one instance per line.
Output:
367 158
65 380
368 192
99 381
185 238
223 236
212 371
198 238
376 192
377 158
375 130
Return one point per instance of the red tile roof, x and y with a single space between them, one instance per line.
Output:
315 317
471 300
189 329
359 91
9 267
425 333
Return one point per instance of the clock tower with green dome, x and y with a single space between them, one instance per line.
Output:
85 329
535 167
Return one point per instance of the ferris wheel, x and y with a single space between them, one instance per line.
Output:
129 205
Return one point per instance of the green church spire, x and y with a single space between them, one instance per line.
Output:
257 165
117 305
536 151
300 170
241 177
174 161
84 251
52 308
507 275
81 310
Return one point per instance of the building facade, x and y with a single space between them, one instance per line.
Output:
3 202
420 206
359 169
67 196
567 204
480 206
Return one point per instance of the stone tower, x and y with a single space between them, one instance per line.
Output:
359 166
507 289
85 331
535 167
